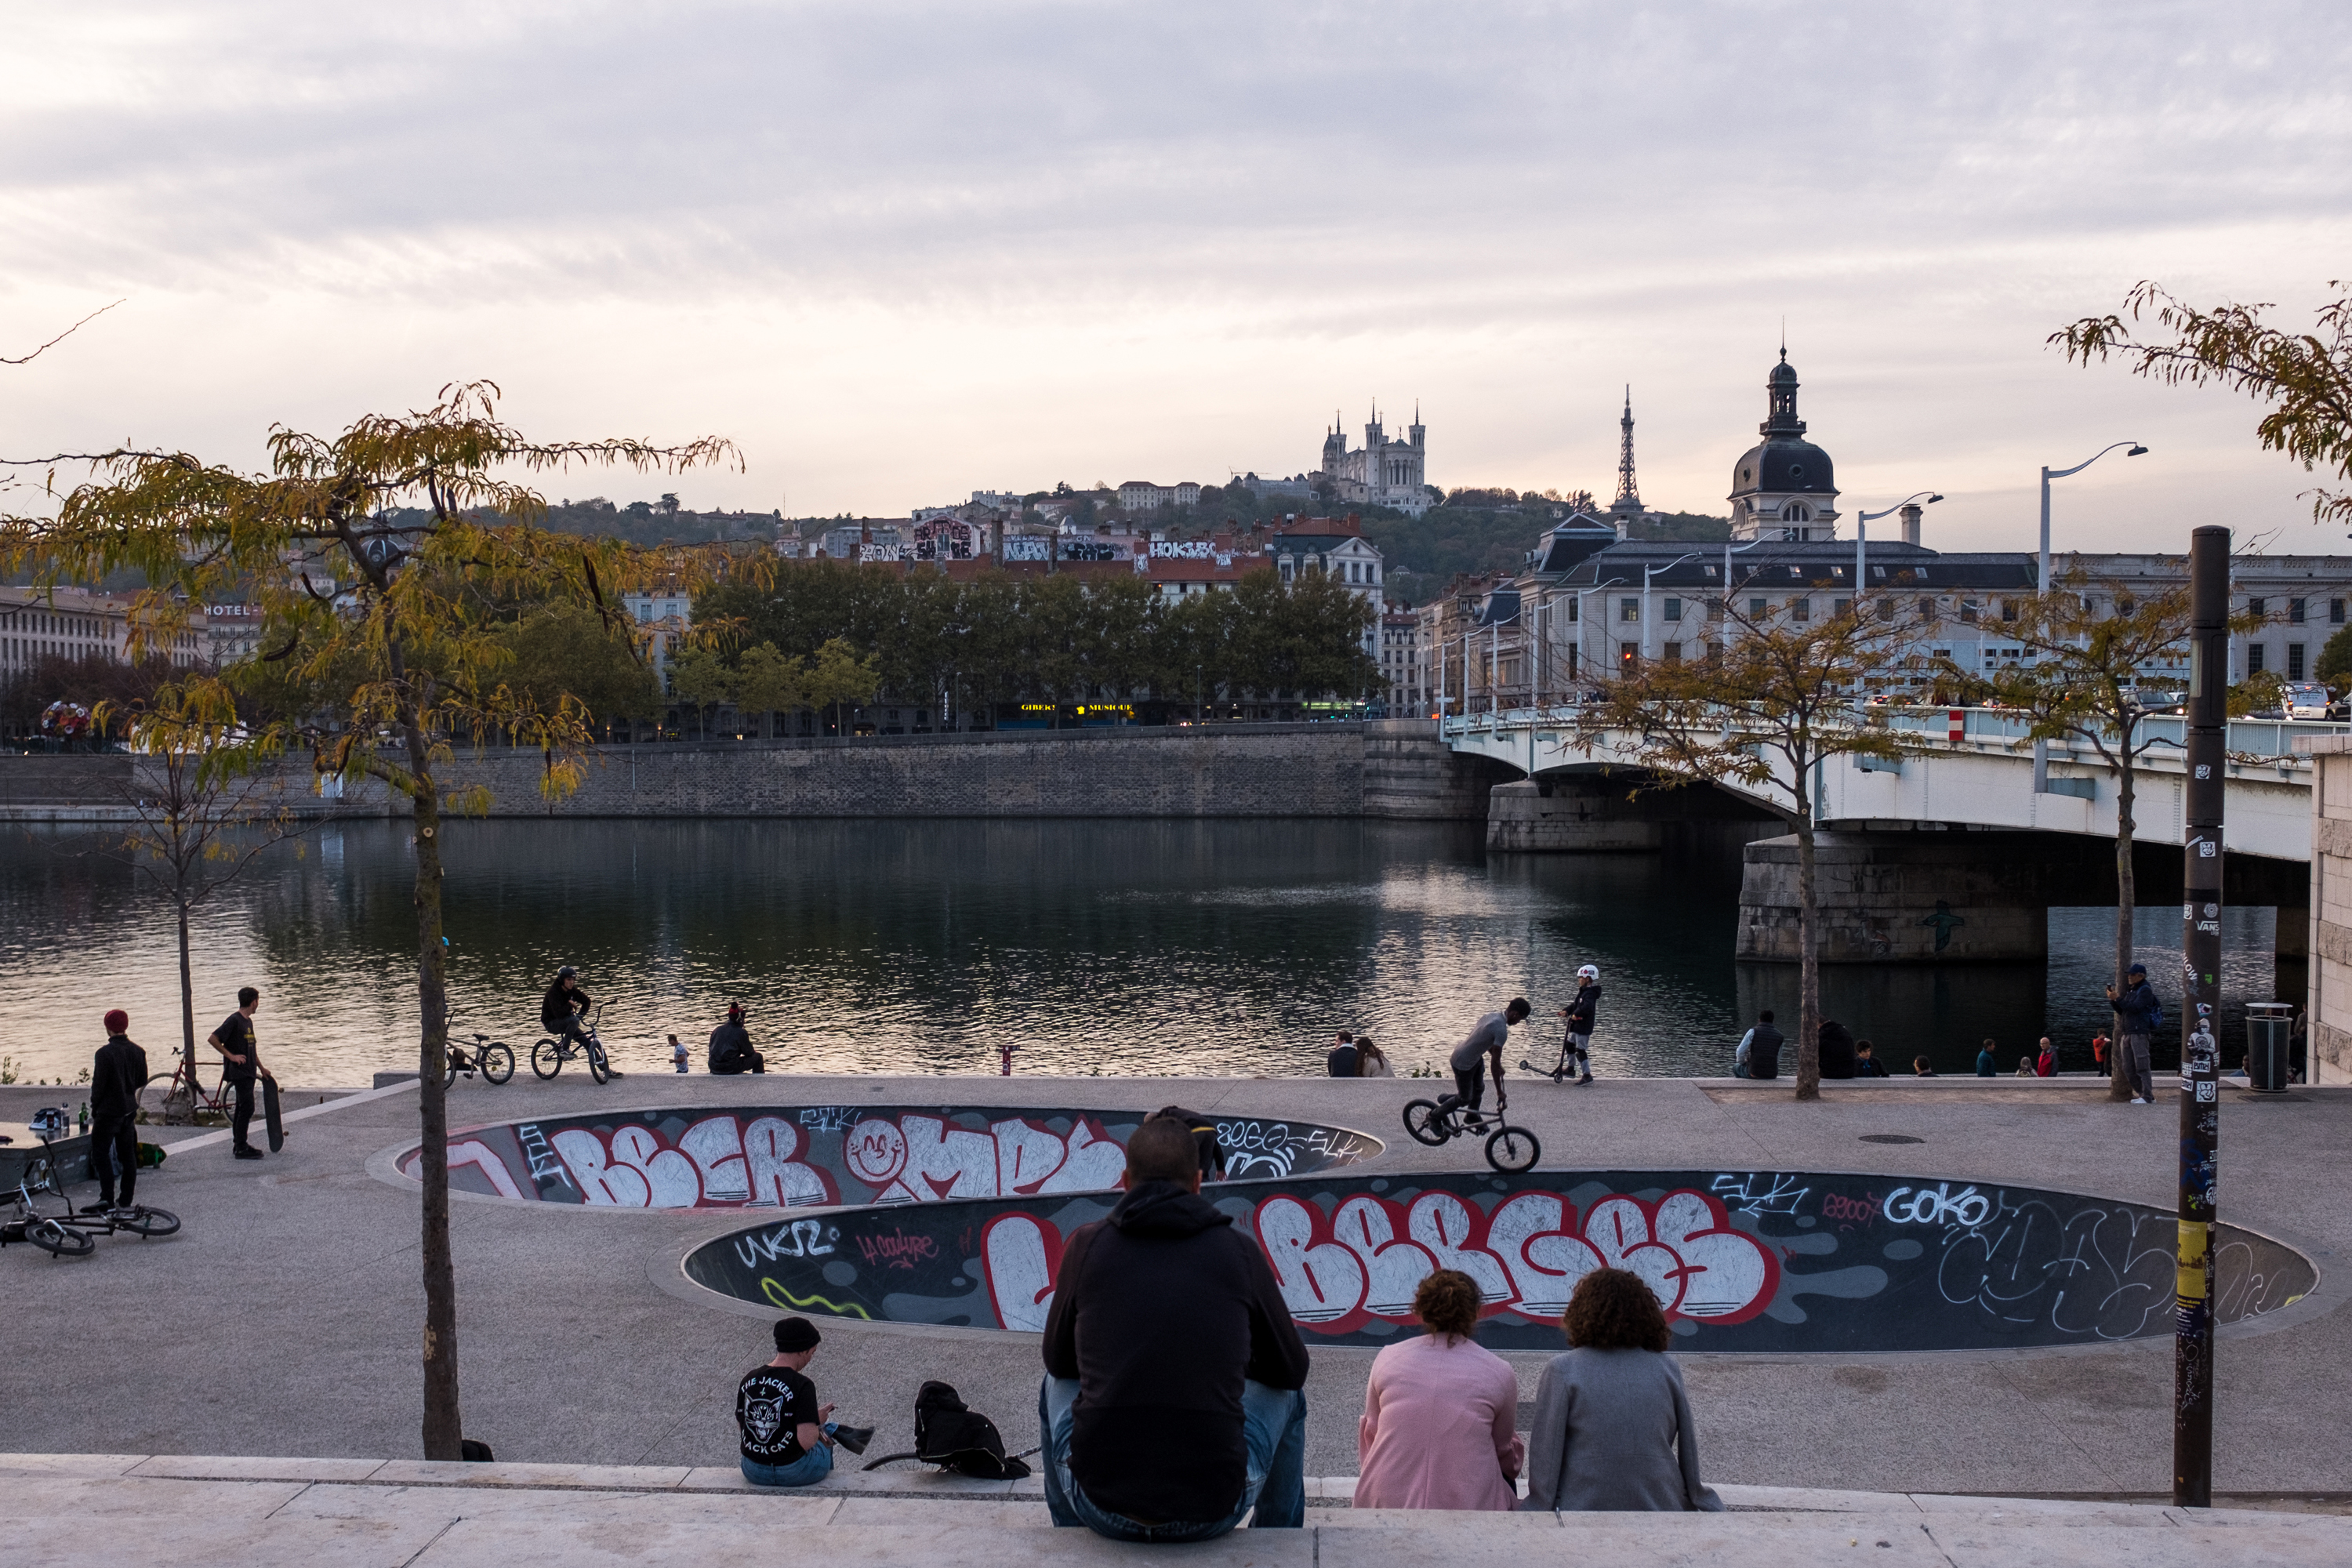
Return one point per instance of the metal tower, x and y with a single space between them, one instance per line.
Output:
1629 494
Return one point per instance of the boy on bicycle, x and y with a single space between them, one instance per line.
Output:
560 1009
1469 1059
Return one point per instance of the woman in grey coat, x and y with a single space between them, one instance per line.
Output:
1613 1426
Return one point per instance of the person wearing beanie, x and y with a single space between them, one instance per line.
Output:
241 1066
786 1439
116 1076
730 1046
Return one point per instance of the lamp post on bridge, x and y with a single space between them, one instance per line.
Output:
1647 573
1862 521
2041 574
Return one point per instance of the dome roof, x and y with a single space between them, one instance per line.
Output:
1782 466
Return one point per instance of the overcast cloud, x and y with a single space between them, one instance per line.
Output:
903 252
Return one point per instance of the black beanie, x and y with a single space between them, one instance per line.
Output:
795 1334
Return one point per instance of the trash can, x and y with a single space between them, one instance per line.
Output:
2268 1025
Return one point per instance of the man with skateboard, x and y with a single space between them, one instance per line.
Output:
241 1065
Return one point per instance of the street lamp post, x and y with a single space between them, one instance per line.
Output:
2041 574
1582 620
1730 550
1863 519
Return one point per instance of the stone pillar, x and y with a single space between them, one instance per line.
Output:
1943 897
1535 816
1410 773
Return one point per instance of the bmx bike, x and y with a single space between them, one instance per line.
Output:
548 1057
71 1234
1509 1150
494 1059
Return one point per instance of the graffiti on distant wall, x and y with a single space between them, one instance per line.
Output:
1759 1261
819 1156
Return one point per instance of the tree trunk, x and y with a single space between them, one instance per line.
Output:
442 1427
1808 960
2119 1084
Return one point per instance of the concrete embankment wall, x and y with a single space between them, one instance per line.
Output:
1394 769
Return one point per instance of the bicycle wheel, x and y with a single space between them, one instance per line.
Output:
449 1070
59 1240
1425 1123
547 1059
497 1059
1512 1150
599 1068
144 1221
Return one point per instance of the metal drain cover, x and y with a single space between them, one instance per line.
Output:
1891 1138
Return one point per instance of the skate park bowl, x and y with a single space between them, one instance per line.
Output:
1763 1262
826 1155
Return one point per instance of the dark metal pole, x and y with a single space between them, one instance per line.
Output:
2200 913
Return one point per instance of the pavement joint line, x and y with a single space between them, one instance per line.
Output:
222 1135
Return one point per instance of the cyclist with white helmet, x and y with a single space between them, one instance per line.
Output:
1579 1016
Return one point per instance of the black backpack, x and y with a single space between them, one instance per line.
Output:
952 1436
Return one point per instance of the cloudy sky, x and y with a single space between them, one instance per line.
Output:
900 250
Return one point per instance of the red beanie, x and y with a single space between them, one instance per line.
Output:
117 1020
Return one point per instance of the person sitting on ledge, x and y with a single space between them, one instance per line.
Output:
1171 1402
1370 1060
2046 1063
1613 1426
1919 1067
1986 1066
1439 1411
1865 1063
787 1441
1340 1061
730 1046
1837 1049
2025 1066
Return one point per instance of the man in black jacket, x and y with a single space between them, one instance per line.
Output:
1171 1404
730 1046
116 1076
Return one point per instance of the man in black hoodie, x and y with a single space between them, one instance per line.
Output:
117 1074
730 1046
1171 1402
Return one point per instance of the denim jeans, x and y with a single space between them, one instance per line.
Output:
1274 1430
806 1471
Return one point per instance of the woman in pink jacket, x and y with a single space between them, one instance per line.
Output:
1439 1415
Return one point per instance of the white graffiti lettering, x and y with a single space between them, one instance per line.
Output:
1967 1208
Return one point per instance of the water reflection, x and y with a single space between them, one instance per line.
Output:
1119 947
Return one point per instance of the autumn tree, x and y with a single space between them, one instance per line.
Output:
206 803
1778 695
2303 379
413 611
2087 645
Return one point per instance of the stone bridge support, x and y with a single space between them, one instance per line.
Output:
1619 809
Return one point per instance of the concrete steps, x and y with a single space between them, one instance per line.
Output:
164 1511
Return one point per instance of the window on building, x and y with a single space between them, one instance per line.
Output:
1629 654
1757 609
2253 659
2294 612
2335 612
1674 653
2254 606
1801 609
1968 612
1575 609
1839 606
2295 661
1571 661
1628 609
1673 609
1927 609
2009 609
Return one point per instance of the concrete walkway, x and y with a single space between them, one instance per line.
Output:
285 1315
112 1509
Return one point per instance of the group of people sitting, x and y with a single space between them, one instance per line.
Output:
1172 1405
1355 1056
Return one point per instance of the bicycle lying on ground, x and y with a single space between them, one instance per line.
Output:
1436 1123
548 1057
71 1234
494 1059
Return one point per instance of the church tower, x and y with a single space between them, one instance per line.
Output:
1785 487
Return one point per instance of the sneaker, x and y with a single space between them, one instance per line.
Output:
249 1154
1585 1079
2137 1100
852 1438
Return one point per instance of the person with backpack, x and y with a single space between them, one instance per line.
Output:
1172 1402
1759 1049
2138 1015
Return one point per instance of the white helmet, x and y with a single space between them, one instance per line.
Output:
1587 973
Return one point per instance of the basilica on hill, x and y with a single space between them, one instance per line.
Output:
1383 472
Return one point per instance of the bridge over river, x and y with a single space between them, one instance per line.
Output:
1948 853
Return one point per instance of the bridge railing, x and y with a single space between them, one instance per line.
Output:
2256 738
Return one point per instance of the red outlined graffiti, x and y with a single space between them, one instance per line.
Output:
1022 1255
484 1158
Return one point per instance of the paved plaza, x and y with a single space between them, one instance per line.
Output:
284 1319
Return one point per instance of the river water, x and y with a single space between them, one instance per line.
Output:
1113 947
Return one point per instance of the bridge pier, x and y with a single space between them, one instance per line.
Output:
1906 898
1553 816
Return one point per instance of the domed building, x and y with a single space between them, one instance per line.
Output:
1784 488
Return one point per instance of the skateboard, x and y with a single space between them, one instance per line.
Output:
270 1114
